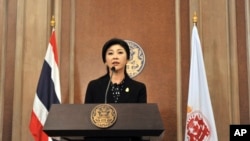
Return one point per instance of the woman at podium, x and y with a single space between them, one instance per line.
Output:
115 86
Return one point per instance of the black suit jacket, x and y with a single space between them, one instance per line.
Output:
133 92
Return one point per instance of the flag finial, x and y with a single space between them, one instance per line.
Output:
53 22
195 18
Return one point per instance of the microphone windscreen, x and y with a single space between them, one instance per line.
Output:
113 69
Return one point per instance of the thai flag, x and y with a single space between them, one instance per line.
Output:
48 91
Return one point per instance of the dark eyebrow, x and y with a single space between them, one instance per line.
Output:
120 49
110 49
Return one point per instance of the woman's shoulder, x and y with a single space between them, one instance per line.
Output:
132 81
99 80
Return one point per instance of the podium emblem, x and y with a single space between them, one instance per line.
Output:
103 115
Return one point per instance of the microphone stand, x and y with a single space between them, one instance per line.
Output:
104 115
107 89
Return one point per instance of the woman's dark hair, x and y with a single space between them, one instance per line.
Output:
114 41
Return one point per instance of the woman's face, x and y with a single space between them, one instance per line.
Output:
116 56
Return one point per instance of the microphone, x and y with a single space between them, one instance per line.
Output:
107 89
113 69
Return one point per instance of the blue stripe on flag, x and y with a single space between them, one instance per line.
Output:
46 90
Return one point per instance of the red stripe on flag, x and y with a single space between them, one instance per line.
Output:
54 46
36 129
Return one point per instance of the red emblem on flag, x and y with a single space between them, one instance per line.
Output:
197 127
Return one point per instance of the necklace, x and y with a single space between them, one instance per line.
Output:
116 90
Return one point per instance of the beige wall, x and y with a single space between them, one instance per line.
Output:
162 28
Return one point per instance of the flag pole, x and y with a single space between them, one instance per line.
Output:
195 18
53 22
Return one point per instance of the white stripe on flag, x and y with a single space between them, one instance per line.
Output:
49 57
39 110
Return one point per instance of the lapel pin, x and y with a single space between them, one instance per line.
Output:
127 90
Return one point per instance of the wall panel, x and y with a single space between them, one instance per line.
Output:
33 35
185 57
242 65
9 68
66 50
2 60
217 50
149 23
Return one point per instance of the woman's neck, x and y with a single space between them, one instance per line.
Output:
118 77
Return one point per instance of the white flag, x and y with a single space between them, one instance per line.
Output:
200 124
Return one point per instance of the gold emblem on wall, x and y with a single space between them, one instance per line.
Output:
103 115
137 59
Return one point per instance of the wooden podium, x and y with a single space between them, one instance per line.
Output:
73 121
